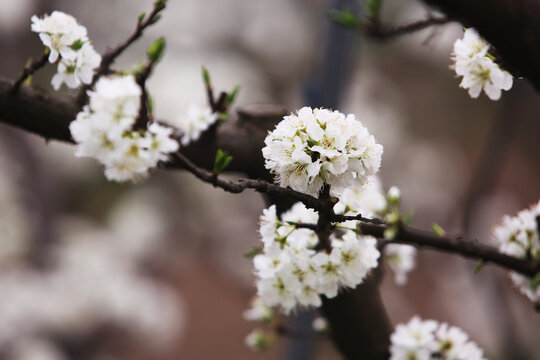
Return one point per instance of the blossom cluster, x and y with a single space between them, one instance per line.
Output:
429 339
318 147
478 68
105 130
194 121
68 45
291 272
519 236
371 202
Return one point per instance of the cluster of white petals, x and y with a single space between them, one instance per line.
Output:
291 272
401 259
430 340
319 146
194 121
476 66
104 131
519 236
68 46
258 311
370 201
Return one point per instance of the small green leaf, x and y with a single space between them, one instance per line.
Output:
206 77
156 50
232 95
77 45
344 17
159 4
250 254
479 266
156 18
373 8
438 230
311 142
222 161
141 17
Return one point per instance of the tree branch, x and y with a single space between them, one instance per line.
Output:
374 227
112 54
374 29
49 116
29 70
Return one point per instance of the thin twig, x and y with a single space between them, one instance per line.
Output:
455 245
144 114
374 227
376 30
240 185
112 54
29 70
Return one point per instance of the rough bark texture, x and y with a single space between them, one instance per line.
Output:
33 110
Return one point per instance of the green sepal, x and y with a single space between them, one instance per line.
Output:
250 254
77 44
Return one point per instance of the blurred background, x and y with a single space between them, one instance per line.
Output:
97 270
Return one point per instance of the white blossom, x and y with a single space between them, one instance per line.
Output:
258 340
368 201
473 62
291 272
320 324
317 147
401 259
79 70
519 236
258 311
59 31
194 121
104 130
430 340
68 45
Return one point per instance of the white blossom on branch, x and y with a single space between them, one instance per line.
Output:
104 130
69 46
479 72
292 272
194 121
319 146
429 340
519 236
